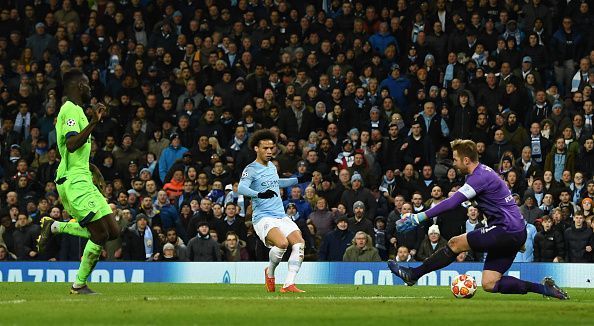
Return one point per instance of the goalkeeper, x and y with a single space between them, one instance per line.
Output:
75 179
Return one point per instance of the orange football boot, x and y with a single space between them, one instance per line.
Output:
270 281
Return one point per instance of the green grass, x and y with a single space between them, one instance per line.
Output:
232 304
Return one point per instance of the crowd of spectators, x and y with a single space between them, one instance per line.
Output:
363 95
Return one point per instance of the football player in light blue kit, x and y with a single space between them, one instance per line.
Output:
260 181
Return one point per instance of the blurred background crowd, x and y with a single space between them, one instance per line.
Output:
363 95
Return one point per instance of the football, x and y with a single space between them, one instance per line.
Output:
463 286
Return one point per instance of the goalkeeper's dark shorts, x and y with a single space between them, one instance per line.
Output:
501 246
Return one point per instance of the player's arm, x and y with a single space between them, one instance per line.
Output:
74 139
245 183
466 192
98 179
287 182
411 221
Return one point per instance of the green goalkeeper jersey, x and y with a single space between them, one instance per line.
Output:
71 121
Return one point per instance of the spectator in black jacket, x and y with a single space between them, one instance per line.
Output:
392 154
202 247
358 193
359 221
578 241
548 243
336 242
231 222
25 238
295 121
139 242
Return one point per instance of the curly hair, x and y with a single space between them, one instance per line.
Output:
260 135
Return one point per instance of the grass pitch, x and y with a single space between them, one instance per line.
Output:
234 304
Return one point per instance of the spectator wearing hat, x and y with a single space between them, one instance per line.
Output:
202 248
559 117
345 158
170 154
361 249
335 243
139 243
381 237
296 198
131 173
530 210
359 220
526 68
241 97
41 41
514 132
398 86
366 170
359 193
191 92
126 153
432 242
586 206
303 176
376 121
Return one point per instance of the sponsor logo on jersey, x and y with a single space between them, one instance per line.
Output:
269 184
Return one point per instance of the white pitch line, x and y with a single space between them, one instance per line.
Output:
13 301
185 298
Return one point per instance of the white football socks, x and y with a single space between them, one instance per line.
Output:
295 261
275 255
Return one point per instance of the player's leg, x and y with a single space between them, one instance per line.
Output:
49 226
277 242
100 231
92 212
438 260
499 262
442 257
295 259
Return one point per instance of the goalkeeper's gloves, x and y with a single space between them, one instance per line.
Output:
409 222
267 194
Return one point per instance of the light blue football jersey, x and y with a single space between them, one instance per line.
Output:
258 178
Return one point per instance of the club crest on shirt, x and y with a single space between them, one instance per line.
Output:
70 122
